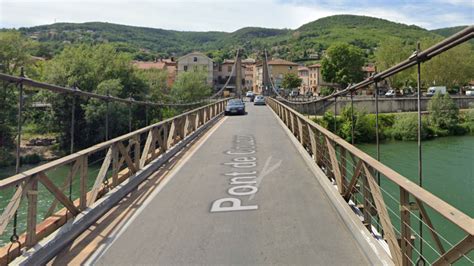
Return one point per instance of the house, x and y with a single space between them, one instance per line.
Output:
168 65
368 71
314 79
222 72
303 74
249 66
277 68
196 61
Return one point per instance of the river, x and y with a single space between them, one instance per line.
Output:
448 173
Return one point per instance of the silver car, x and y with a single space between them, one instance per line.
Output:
259 100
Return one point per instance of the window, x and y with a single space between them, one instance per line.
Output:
185 68
229 68
220 68
290 68
195 59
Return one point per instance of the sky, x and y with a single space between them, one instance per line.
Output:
231 15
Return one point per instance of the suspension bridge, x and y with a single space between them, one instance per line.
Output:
270 187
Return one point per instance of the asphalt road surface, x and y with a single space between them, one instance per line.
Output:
245 197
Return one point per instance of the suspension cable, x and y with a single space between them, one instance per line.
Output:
78 92
230 76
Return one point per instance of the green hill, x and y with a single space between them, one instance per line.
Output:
446 32
299 44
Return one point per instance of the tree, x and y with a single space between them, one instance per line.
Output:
191 86
96 69
451 68
391 52
444 114
14 53
291 81
95 113
343 64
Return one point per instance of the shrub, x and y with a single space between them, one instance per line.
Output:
6 158
444 115
31 159
325 91
406 128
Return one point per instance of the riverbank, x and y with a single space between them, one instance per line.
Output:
442 120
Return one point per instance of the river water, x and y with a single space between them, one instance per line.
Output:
448 173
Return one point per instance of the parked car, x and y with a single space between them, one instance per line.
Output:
390 93
259 100
294 93
235 106
309 94
438 89
469 93
249 94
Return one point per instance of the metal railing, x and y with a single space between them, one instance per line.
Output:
390 210
120 159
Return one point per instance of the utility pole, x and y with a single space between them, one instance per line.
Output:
238 75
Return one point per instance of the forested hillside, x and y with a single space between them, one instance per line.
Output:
306 42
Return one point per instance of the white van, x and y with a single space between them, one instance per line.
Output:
438 89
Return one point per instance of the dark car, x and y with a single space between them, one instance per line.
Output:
235 106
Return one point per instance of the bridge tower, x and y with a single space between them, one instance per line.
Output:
265 77
238 74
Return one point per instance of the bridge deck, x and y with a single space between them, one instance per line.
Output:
294 224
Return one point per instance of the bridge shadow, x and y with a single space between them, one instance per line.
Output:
98 234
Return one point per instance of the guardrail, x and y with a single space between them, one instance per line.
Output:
124 157
386 215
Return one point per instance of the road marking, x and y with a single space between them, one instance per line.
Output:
265 171
101 250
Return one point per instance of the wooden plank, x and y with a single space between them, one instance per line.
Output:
343 165
116 164
146 149
196 121
136 154
171 135
455 253
300 131
160 139
57 193
430 225
126 156
405 233
12 206
186 127
292 117
353 182
31 219
312 139
100 177
367 203
384 217
335 166
83 183
72 173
